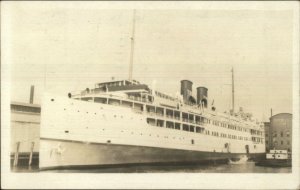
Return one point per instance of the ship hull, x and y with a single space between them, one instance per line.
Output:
64 154
78 133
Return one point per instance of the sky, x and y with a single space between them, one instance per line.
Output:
59 49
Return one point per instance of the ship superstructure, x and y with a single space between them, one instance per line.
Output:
126 122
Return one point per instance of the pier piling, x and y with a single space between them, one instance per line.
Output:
16 159
31 153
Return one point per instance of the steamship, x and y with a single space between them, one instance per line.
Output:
127 122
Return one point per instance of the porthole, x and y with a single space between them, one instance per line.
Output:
95 113
108 141
77 110
64 108
52 99
66 131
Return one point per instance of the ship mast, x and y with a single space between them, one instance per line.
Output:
132 47
232 82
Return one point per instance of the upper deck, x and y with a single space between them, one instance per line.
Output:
141 94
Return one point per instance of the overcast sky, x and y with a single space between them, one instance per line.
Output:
62 49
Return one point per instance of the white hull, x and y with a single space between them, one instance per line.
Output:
83 133
68 154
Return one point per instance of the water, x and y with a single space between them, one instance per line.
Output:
247 167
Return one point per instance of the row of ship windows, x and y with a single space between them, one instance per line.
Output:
170 113
158 136
143 134
191 128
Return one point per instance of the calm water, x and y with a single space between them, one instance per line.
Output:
247 167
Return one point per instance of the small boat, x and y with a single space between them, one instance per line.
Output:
276 158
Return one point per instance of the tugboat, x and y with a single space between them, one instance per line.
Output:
276 158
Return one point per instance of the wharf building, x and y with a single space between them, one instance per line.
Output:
278 132
25 132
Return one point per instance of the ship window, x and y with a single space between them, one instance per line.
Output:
170 124
160 123
288 142
87 99
169 113
191 118
113 102
138 107
281 134
192 141
100 100
267 142
192 128
281 142
177 115
151 121
288 133
150 109
184 117
159 111
185 127
126 104
177 126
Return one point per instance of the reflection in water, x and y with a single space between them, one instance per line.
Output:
248 167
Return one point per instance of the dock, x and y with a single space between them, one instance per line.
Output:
25 134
